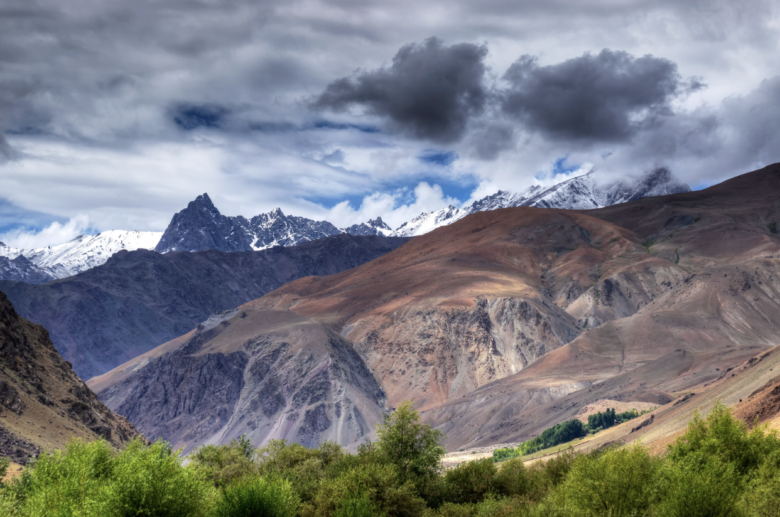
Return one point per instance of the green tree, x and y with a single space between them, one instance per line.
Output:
413 447
257 496
619 482
4 464
224 464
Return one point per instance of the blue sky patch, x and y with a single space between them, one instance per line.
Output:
193 116
443 158
363 128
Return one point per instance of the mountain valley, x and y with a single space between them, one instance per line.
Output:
508 321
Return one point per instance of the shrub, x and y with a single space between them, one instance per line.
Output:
492 507
762 495
469 482
722 436
507 453
455 510
700 486
545 476
413 447
224 464
4 464
150 480
64 482
357 506
252 497
619 482
512 479
304 468
378 482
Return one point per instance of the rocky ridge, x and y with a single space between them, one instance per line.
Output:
42 400
200 226
73 257
586 192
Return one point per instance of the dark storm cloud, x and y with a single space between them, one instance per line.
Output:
753 124
606 97
430 91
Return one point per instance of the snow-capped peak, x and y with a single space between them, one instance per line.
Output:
584 192
83 252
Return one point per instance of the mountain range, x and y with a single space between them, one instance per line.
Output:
140 299
496 326
80 254
200 226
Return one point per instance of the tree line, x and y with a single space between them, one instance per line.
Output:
718 467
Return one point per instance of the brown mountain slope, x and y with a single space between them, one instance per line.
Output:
509 321
724 311
43 403
266 374
478 300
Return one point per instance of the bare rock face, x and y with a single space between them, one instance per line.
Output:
266 374
434 354
43 403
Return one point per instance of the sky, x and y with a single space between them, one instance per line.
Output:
115 114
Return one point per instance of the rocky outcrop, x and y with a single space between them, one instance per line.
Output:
200 227
266 374
42 401
434 354
141 299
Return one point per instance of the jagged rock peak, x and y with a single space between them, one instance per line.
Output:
203 202
378 223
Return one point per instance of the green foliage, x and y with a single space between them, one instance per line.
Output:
224 464
700 486
719 467
552 436
512 479
304 468
722 436
413 447
151 481
88 479
566 432
609 418
506 453
379 482
65 483
762 494
257 496
618 482
4 464
357 506
469 482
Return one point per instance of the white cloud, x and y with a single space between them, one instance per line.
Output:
55 233
391 207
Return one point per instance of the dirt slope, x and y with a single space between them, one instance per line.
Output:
43 403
